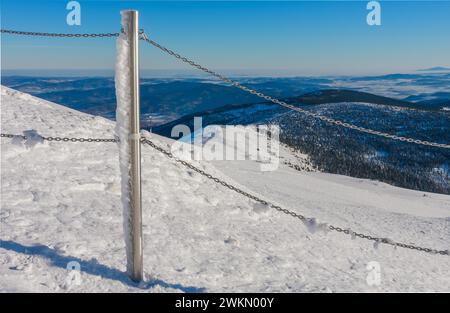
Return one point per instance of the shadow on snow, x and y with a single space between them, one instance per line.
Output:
91 267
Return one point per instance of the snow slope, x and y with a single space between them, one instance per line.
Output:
60 202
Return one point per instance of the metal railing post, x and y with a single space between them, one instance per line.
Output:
132 33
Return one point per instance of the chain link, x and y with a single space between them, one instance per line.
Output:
286 211
11 136
329 120
64 35
71 139
64 139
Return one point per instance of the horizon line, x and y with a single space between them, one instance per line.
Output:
174 73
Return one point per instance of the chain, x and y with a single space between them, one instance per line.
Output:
219 181
64 139
286 211
258 94
69 139
290 106
329 120
65 35
11 136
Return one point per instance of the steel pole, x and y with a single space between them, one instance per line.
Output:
132 32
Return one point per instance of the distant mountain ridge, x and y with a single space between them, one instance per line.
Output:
327 96
164 100
346 95
434 69
342 151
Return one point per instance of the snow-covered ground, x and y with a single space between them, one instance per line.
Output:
60 202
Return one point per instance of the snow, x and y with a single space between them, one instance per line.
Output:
32 138
314 226
60 203
122 130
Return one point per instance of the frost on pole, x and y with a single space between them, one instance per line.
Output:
123 114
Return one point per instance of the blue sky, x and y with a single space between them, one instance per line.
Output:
302 38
